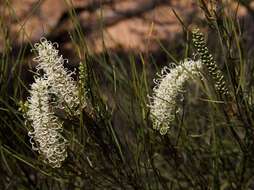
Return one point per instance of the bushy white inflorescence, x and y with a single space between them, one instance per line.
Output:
168 87
46 133
63 86
55 90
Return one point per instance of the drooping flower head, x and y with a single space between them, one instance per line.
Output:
168 87
46 136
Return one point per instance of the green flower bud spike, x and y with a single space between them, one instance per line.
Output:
207 59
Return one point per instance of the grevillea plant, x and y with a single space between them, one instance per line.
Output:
53 91
169 86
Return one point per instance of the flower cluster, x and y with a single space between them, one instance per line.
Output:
208 60
55 90
47 128
63 85
168 87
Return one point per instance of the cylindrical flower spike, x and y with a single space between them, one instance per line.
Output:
47 128
208 60
63 86
55 90
168 87
83 88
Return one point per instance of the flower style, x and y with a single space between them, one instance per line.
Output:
46 127
168 87
63 85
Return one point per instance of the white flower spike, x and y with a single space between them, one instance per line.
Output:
63 85
168 87
46 127
55 90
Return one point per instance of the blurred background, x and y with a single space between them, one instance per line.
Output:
116 25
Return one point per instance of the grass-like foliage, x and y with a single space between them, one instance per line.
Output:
93 128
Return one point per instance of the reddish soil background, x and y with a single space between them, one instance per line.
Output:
128 25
